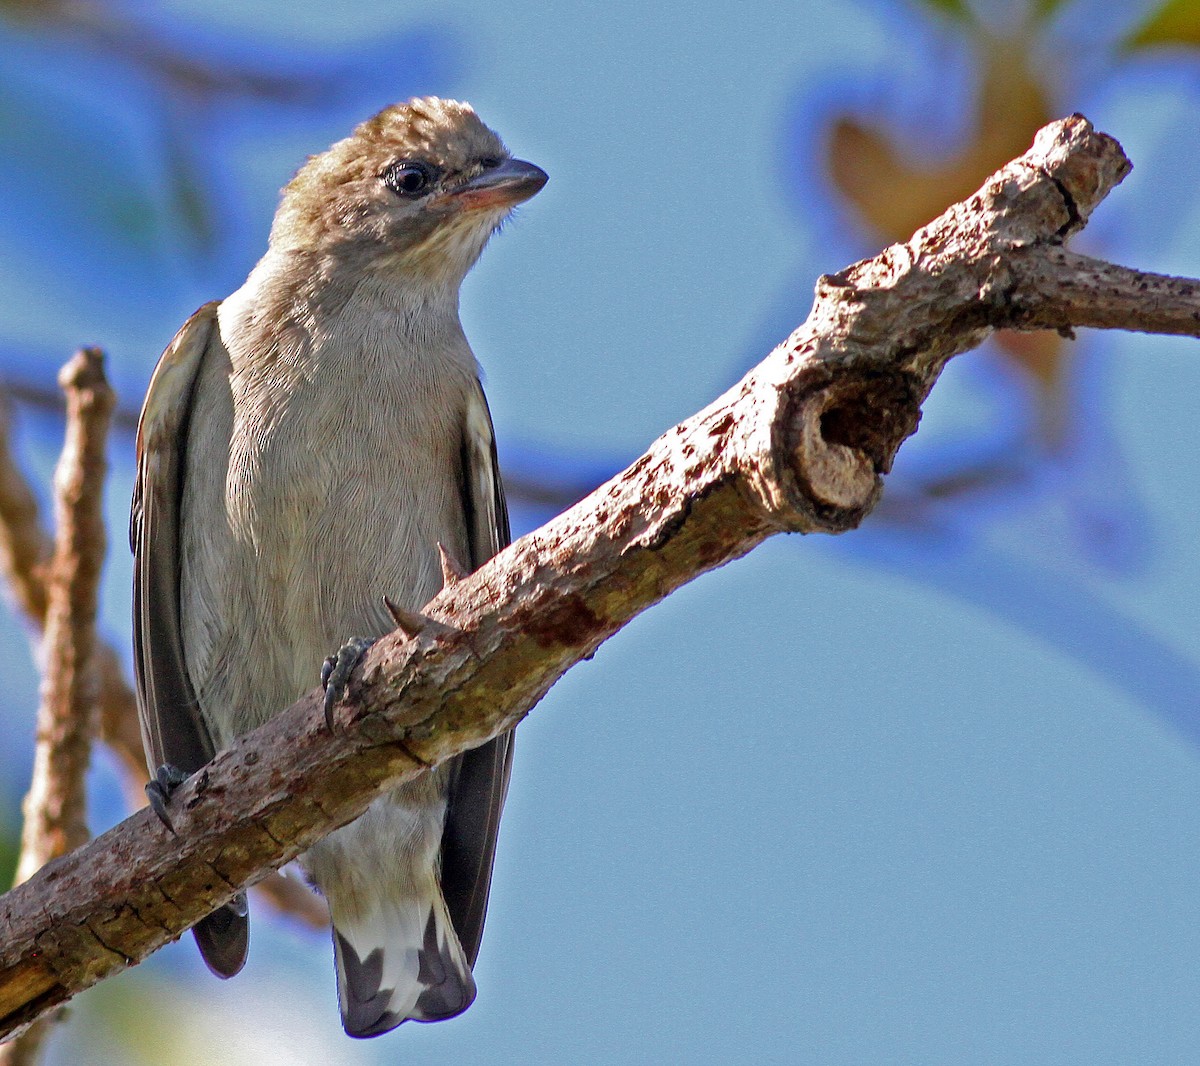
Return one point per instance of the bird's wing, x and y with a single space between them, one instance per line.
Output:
479 779
173 731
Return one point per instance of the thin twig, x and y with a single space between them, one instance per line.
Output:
25 548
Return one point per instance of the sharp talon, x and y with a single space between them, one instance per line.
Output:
410 623
452 570
158 804
331 698
336 671
167 779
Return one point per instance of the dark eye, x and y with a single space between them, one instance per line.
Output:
408 179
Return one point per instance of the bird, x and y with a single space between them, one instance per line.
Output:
308 450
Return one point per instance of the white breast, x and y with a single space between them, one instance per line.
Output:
323 468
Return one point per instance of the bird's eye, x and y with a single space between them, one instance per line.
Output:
408 179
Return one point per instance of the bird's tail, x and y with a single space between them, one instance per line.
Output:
224 937
399 960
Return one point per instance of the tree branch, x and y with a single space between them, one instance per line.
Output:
55 809
25 552
1058 289
25 549
797 445
56 805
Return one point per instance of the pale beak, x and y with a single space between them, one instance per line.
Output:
506 185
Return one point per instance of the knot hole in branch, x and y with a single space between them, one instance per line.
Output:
840 437
872 413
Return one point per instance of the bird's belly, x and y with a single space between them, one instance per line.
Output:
322 523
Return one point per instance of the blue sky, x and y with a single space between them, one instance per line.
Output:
924 793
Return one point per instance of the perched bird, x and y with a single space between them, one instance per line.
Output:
305 447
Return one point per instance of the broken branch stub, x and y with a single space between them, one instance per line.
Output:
884 328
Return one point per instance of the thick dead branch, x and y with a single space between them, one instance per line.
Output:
798 445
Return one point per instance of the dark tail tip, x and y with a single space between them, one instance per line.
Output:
365 1009
366 1004
224 938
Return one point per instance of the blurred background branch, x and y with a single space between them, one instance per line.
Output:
56 806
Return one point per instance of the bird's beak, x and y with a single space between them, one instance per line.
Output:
507 185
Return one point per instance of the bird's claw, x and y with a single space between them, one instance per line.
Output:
336 671
167 779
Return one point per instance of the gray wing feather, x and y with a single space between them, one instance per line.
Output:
479 778
173 730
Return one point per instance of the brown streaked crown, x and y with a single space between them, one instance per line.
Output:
339 196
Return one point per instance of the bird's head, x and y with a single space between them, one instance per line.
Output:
417 189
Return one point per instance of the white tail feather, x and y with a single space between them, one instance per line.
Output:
400 961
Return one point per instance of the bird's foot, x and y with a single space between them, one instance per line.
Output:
167 779
336 671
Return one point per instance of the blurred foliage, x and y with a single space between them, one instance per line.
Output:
1176 22
106 30
955 9
33 128
963 11
893 187
10 848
